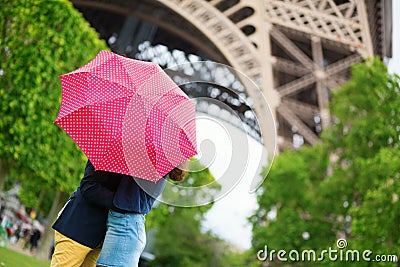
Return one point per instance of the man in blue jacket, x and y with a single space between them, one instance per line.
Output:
106 202
81 224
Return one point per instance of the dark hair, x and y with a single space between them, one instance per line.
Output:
177 174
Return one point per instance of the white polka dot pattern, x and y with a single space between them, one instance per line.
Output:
127 116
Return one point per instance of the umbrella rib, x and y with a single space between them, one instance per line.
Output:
88 94
154 69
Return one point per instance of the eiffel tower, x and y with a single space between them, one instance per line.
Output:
297 51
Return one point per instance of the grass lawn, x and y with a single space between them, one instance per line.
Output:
10 258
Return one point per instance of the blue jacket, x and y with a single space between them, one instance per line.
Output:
137 195
84 216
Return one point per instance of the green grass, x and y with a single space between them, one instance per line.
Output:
10 258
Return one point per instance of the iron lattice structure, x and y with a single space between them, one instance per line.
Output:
297 51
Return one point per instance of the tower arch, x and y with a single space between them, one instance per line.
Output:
296 51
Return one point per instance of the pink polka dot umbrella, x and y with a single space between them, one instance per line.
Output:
127 116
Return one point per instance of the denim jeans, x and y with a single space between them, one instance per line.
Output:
125 240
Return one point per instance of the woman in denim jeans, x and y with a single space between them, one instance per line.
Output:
126 236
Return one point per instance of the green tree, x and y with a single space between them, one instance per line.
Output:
353 195
198 188
365 139
287 217
179 238
240 259
375 224
366 112
40 40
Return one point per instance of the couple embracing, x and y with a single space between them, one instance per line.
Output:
103 221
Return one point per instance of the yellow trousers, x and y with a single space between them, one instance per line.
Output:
68 253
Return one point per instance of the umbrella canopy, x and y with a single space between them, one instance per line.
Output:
127 116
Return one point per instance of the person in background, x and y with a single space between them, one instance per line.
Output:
34 240
2 208
26 235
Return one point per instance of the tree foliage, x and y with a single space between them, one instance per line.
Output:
288 211
40 40
179 239
348 186
366 138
